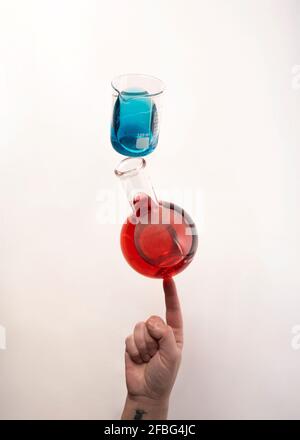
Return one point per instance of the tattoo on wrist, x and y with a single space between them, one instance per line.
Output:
139 414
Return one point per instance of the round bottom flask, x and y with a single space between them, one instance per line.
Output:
159 239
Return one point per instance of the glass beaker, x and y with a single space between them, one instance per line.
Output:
159 239
136 114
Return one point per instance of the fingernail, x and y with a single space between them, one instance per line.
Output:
155 324
151 322
159 326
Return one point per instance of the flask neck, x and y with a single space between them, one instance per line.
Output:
137 185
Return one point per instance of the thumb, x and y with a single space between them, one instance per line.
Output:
164 335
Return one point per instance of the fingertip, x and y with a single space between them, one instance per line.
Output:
167 281
169 285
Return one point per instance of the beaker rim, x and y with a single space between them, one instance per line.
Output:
159 84
130 166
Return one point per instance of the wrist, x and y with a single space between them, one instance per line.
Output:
142 407
149 401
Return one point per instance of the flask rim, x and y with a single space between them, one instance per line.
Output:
130 166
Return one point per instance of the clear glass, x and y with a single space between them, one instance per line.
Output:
158 239
136 114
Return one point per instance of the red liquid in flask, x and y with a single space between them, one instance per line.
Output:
158 241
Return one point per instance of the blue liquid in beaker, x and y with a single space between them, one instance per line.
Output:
134 129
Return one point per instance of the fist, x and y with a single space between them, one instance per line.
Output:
153 351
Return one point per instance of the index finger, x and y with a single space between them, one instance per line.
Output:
173 309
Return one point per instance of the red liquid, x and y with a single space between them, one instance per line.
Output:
162 245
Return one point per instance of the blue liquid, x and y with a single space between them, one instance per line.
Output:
134 129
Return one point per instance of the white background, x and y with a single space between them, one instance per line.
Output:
230 129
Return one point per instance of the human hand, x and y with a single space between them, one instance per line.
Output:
152 359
